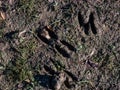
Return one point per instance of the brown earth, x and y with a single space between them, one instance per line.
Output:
59 45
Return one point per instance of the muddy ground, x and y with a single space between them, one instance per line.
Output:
59 45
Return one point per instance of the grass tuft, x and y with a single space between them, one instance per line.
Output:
18 70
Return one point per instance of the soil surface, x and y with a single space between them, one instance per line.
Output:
60 45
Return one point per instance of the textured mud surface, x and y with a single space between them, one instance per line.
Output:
59 45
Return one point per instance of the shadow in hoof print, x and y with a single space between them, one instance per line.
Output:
49 37
55 79
90 24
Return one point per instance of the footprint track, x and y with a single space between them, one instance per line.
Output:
90 24
49 37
